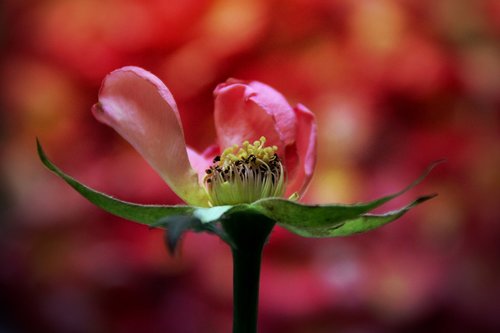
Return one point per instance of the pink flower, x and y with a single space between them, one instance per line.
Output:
281 140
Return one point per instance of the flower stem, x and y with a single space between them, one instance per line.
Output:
249 232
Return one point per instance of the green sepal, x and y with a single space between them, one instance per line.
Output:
356 225
304 220
178 225
177 218
144 214
335 220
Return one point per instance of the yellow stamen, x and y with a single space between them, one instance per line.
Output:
245 174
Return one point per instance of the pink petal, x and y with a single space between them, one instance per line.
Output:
305 152
142 110
247 111
200 163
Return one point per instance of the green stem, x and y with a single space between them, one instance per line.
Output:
249 232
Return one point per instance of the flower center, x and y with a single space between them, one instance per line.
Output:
245 174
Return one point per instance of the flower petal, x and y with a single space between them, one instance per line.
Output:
142 110
249 110
199 162
305 152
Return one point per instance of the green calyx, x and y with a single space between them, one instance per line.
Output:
305 220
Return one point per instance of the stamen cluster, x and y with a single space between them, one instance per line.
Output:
245 174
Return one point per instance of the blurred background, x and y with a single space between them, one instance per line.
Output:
395 85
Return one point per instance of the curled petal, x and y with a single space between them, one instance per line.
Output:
303 153
142 110
247 111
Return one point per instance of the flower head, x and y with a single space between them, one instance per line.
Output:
264 147
268 150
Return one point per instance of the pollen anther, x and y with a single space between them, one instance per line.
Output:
245 174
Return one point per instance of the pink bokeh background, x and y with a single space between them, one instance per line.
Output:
395 85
